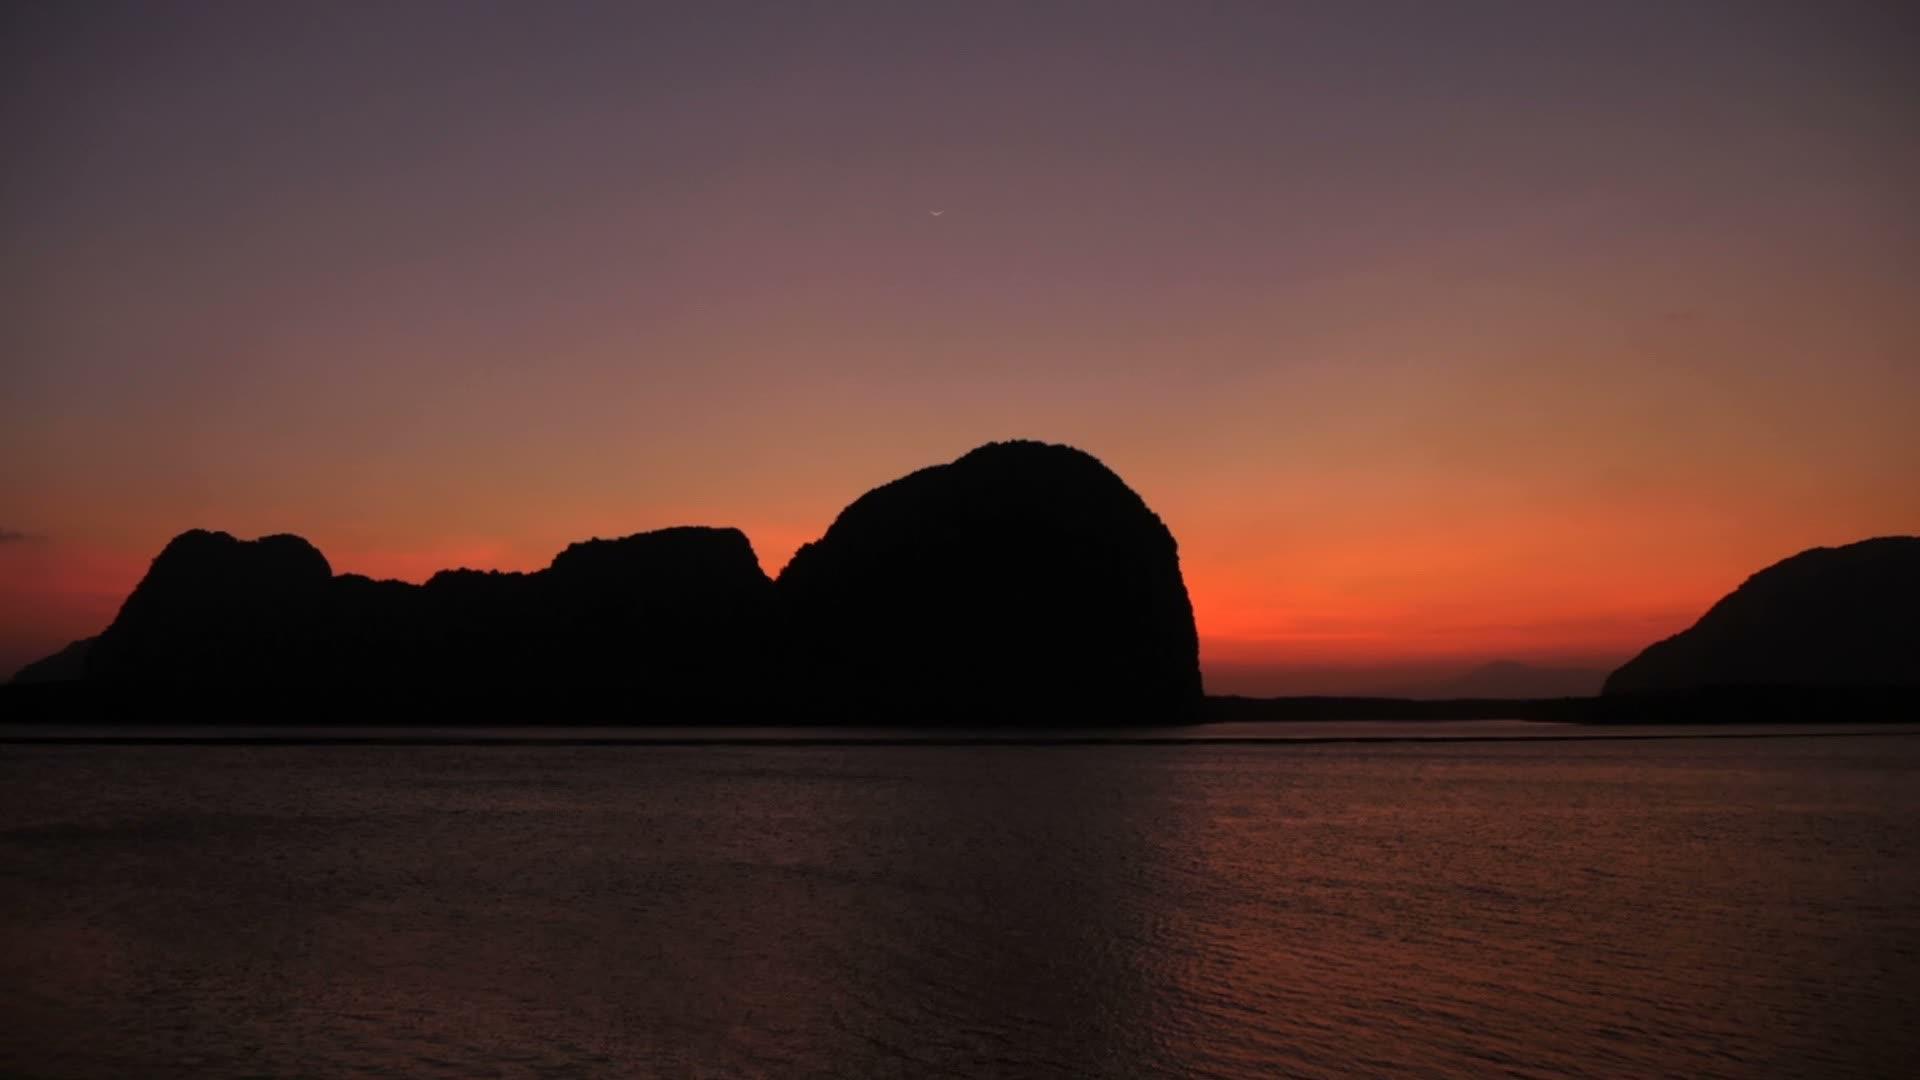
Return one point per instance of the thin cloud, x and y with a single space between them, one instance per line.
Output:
14 536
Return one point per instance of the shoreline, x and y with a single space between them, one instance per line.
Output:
521 736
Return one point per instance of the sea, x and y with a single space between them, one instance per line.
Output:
1247 900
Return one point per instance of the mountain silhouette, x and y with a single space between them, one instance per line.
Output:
67 665
1022 579
215 608
673 614
1839 618
1022 576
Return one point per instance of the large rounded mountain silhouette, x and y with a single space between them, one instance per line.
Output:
1022 581
1022 575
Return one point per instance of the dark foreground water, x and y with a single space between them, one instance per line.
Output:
1720 907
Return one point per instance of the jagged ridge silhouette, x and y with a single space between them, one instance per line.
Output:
1020 580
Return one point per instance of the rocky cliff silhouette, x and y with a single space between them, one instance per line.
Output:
1835 618
213 608
1022 576
669 614
1023 580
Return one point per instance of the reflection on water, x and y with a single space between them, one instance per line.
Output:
1723 907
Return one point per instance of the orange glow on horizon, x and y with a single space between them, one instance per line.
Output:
1530 341
1490 591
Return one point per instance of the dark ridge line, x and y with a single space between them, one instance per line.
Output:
830 741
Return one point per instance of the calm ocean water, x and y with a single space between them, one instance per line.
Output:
1715 907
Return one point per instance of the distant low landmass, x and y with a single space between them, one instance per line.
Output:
1508 679
1830 634
1024 580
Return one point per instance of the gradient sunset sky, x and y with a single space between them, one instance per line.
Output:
1437 332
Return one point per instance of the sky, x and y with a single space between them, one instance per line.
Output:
1437 333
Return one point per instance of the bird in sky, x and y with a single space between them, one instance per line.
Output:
936 213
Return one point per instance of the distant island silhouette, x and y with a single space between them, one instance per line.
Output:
1828 634
1829 617
1022 583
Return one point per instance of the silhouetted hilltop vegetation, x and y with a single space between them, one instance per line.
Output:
1838 618
1022 579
